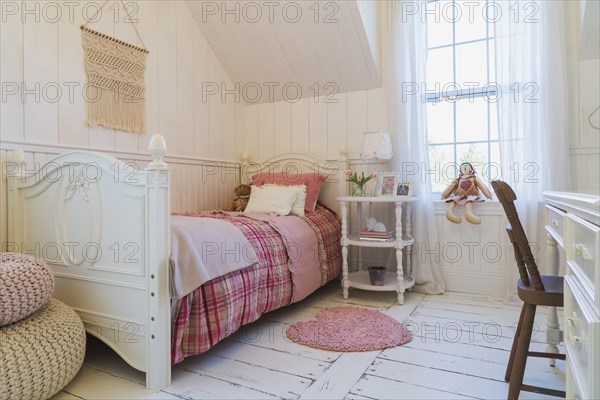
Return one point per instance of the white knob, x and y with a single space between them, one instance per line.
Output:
586 254
579 341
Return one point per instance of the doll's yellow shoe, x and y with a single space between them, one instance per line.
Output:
452 217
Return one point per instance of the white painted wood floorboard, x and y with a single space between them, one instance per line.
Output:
459 351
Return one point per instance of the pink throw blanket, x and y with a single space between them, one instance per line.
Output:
303 251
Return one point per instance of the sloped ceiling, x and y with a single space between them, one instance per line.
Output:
293 49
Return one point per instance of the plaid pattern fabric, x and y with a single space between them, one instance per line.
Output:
328 229
220 307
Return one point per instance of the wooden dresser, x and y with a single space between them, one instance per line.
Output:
573 223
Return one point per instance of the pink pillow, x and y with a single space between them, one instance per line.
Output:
312 180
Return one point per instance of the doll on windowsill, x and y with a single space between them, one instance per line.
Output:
464 190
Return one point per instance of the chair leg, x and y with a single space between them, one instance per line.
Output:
520 360
513 349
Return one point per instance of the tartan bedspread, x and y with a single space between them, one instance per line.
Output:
221 306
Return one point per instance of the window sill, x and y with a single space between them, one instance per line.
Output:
488 207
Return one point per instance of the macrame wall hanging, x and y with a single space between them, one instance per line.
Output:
115 69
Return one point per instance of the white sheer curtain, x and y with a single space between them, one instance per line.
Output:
405 68
534 69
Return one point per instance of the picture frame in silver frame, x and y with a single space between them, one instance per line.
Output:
404 187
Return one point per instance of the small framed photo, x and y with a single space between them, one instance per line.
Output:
386 184
404 188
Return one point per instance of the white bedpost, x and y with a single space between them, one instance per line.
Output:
15 174
158 234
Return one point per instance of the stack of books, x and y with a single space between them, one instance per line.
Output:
387 236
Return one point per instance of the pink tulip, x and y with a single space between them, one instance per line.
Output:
348 172
374 174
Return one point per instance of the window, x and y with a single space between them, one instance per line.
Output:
460 95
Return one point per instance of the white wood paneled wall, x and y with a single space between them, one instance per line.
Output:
317 125
585 170
42 59
475 258
196 185
585 142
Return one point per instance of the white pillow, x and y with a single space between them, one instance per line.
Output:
300 193
270 200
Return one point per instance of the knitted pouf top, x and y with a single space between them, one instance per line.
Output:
26 284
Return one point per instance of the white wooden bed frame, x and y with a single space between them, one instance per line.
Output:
105 231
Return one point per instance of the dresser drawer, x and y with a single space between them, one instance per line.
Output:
582 253
581 337
555 220
574 389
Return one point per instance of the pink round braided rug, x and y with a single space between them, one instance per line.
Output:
349 329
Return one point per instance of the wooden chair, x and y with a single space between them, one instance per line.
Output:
534 290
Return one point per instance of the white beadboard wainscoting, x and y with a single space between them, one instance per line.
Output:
474 258
196 184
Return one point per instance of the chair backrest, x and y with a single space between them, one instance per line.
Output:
525 260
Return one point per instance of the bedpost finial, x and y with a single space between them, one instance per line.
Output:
245 157
157 149
18 159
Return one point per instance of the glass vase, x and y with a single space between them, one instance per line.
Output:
359 191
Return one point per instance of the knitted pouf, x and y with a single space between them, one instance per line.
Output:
40 354
26 284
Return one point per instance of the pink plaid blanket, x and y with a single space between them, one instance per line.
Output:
221 306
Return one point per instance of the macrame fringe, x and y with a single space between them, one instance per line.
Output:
117 111
116 69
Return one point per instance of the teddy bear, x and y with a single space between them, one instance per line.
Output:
465 191
242 194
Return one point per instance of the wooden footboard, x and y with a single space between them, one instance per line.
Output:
104 230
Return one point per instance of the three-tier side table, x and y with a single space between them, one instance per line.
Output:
402 279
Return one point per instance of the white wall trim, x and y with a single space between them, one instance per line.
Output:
489 207
584 150
129 155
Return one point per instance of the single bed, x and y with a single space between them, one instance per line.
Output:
106 233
